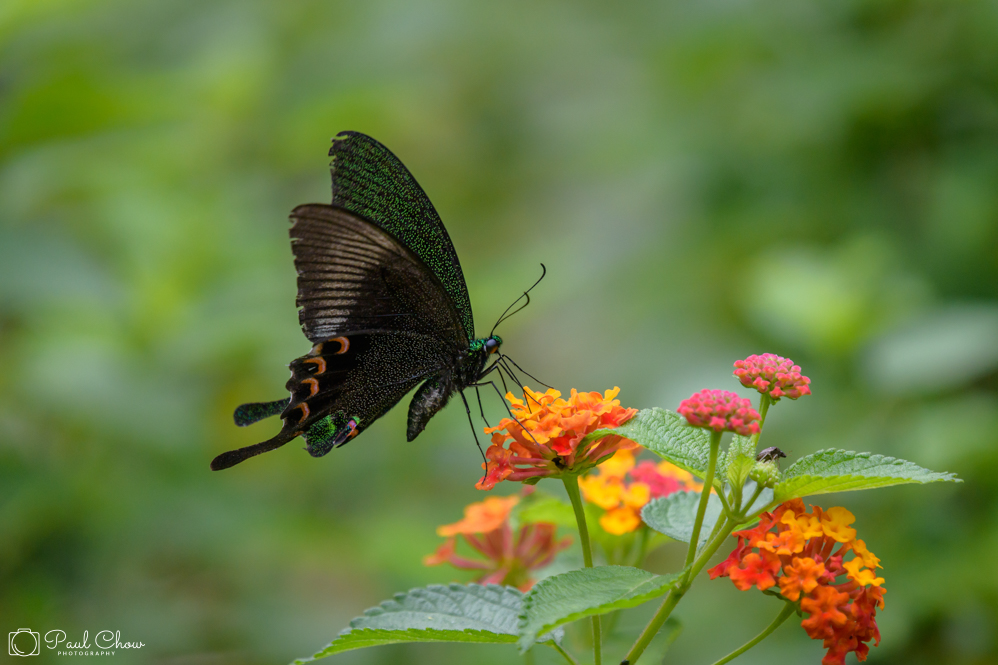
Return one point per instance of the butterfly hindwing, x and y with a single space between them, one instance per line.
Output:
348 382
370 181
343 385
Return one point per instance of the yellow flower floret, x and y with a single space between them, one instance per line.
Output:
863 576
835 523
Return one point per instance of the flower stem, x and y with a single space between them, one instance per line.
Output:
572 487
698 562
755 495
784 614
764 403
708 483
564 653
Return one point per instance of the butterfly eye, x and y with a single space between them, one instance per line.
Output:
491 345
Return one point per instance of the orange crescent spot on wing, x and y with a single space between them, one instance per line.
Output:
304 411
315 385
320 362
344 344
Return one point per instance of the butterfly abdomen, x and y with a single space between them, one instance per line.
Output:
432 396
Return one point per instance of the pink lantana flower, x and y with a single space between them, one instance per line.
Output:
720 411
772 375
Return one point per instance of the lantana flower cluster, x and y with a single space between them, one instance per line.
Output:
803 554
720 411
622 487
509 558
546 439
772 375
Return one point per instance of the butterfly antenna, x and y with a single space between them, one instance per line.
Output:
505 357
526 294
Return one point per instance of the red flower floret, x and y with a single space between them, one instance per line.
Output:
803 553
772 375
549 434
721 411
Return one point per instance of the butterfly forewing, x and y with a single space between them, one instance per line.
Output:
370 181
353 276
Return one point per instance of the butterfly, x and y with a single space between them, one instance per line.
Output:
382 298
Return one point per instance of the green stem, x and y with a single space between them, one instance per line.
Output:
697 562
670 602
784 614
564 653
755 495
572 487
724 502
642 545
708 484
710 548
763 409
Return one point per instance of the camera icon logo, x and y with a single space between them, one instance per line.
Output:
24 642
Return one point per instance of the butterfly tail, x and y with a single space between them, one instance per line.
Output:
247 414
233 457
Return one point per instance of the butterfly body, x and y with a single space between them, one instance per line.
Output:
382 298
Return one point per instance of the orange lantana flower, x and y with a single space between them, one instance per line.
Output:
546 439
508 559
803 547
622 489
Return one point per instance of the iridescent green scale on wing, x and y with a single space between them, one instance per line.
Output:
368 180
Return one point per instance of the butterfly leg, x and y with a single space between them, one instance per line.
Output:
480 409
512 417
473 432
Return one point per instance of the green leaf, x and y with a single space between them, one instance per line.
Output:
455 613
671 437
842 470
675 514
561 599
740 459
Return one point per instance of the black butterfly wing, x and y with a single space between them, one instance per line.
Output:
370 181
342 386
353 276
380 320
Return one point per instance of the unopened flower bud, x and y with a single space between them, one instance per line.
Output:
766 473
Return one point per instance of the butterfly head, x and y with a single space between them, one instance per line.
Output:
492 344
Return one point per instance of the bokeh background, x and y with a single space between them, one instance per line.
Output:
703 180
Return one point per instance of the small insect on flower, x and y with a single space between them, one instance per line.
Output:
770 454
795 550
549 436
509 558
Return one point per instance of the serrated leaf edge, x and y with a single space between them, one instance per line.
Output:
943 476
575 616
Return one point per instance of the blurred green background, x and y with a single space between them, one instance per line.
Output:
704 180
